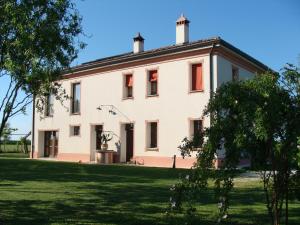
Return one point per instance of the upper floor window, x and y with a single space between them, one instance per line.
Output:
197 79
235 74
128 92
75 98
49 105
152 86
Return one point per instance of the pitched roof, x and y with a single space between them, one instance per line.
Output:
130 56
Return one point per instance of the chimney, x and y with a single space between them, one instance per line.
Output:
182 30
138 43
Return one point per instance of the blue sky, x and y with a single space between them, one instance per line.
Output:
268 30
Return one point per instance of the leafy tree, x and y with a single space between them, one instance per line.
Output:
38 39
258 118
6 135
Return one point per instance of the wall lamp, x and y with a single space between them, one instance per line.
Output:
113 110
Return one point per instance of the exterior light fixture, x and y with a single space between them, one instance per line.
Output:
114 111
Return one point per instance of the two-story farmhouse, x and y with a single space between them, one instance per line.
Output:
148 100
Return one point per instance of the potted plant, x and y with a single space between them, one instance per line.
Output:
104 139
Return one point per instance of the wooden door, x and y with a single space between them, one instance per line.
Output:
50 144
47 143
129 141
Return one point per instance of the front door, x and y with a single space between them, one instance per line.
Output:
50 144
129 141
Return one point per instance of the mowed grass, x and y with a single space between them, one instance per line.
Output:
12 148
43 192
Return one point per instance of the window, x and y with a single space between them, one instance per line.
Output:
196 131
128 86
152 83
75 130
235 74
49 105
98 129
196 79
75 98
152 135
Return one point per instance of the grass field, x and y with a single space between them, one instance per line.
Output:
42 192
8 148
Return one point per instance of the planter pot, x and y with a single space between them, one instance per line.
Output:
104 147
104 156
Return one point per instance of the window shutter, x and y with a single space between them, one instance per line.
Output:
129 80
197 83
153 76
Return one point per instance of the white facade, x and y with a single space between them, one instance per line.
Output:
173 108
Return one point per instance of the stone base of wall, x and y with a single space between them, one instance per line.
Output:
154 161
35 155
71 157
243 163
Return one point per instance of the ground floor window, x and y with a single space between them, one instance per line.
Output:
196 131
75 131
152 135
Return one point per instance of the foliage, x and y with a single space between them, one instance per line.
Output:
190 145
106 137
38 40
6 135
259 119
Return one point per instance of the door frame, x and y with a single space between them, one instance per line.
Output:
57 139
122 129
126 130
92 144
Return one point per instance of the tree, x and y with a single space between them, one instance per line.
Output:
38 40
6 135
258 118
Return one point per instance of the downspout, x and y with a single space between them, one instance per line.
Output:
33 127
211 68
211 72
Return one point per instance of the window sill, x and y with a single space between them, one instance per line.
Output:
127 98
151 96
152 149
195 91
74 136
75 114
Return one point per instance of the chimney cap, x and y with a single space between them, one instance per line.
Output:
182 20
138 37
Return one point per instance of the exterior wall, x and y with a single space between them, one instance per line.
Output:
224 71
173 109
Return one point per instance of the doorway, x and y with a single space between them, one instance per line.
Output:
129 141
50 144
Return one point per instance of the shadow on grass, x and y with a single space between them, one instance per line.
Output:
40 192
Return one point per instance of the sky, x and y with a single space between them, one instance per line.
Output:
268 30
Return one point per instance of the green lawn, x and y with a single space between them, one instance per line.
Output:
8 148
40 192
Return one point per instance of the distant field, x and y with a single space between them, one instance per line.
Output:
12 148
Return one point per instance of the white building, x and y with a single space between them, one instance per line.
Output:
149 100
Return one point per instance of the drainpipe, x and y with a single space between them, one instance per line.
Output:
33 126
211 68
